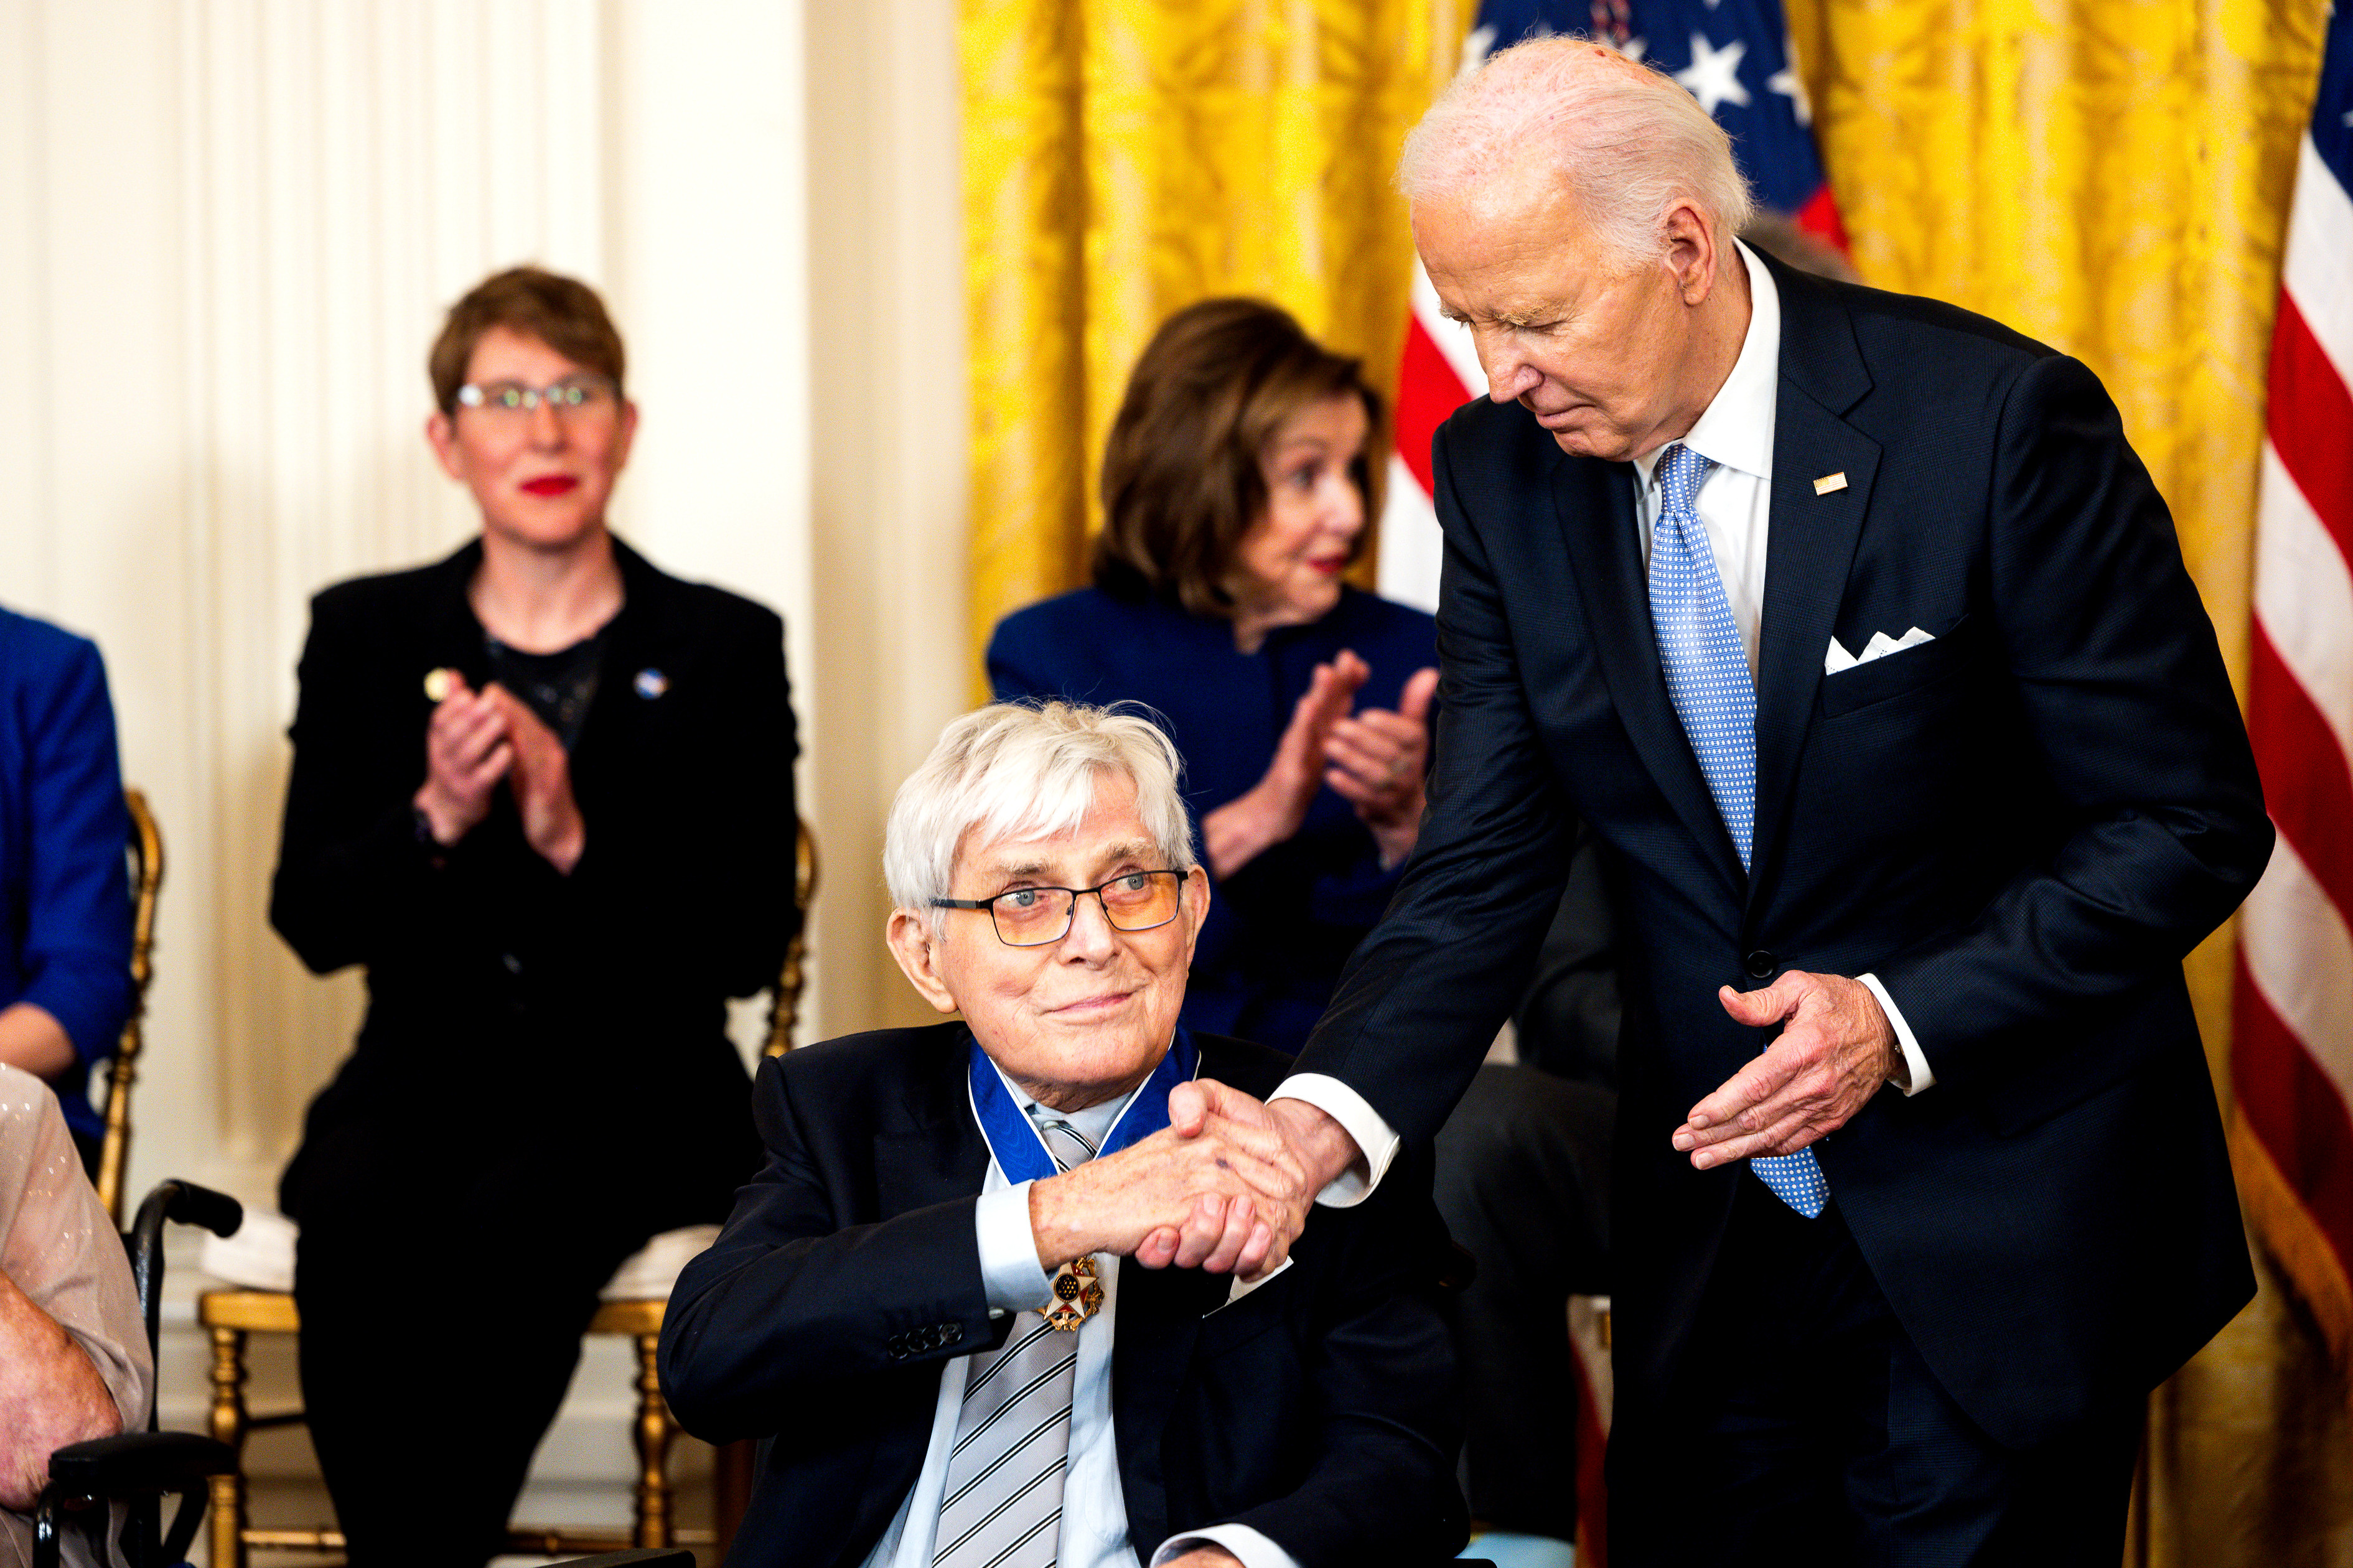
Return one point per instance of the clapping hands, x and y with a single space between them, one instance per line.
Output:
1375 759
475 740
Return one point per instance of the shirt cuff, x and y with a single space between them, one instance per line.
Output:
1252 1546
1008 1252
1916 1063
1375 1138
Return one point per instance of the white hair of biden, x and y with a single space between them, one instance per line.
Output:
1020 770
1631 144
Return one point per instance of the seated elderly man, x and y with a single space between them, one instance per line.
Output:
930 1298
74 1363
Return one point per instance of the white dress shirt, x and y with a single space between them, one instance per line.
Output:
1094 1505
1734 505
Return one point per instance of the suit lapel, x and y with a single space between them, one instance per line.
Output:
1809 542
937 1154
1595 501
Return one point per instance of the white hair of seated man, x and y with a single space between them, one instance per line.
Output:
1632 142
1019 770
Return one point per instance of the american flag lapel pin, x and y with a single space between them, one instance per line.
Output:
1830 482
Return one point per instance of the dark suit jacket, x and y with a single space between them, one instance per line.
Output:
2021 827
1319 1409
588 1008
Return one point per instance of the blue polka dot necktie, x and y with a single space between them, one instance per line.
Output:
1709 684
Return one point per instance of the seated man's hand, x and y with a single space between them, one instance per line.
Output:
1201 1188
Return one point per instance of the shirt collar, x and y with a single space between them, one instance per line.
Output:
1093 1123
1736 430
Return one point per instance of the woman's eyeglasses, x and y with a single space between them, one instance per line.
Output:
585 396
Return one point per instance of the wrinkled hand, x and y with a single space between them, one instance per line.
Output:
541 781
466 753
1302 1147
1202 1189
1242 829
1835 1050
1378 759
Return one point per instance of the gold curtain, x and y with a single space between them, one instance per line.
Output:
1123 158
2112 177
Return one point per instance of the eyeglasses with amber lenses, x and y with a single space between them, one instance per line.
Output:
578 396
1036 917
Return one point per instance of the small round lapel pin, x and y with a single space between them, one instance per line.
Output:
651 683
439 683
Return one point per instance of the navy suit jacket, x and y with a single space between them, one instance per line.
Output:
1319 1409
2021 827
65 900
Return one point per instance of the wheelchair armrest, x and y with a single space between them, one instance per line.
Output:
138 1462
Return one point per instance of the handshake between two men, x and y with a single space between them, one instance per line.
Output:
1227 1187
961 1246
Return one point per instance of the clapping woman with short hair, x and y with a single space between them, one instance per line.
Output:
544 793
1238 481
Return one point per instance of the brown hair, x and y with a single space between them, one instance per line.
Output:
1181 481
562 312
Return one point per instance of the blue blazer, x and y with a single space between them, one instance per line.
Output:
1282 927
64 897
2021 827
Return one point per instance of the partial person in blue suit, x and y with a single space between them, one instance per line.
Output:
65 897
1236 482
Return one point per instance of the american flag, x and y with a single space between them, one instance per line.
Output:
2292 1051
1735 56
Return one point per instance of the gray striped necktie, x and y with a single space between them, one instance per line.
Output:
1004 1503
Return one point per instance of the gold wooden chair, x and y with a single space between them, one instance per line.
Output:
230 1315
145 853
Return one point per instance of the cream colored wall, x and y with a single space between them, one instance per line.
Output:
892 410
227 228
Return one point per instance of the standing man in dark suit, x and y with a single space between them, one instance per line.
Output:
920 1300
1857 633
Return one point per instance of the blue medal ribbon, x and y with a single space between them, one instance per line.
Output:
1014 1138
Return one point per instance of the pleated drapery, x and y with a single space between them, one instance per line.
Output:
1125 158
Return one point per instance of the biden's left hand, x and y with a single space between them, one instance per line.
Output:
1836 1050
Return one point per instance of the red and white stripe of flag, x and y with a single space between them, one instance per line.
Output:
2293 1042
1437 374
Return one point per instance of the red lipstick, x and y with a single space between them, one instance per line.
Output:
550 485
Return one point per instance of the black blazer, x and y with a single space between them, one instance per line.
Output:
2021 827
520 998
1319 1409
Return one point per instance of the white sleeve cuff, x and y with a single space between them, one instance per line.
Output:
1008 1252
1916 1062
1375 1139
1252 1547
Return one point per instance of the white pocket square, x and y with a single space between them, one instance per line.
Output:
1879 646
